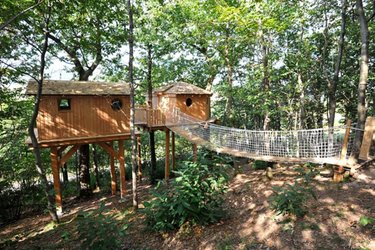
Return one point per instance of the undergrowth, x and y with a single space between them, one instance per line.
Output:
194 196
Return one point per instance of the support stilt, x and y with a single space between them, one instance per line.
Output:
122 168
139 159
195 152
113 174
56 179
167 168
173 151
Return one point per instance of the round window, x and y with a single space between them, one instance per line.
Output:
116 104
189 102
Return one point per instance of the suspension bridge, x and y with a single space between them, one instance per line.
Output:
324 145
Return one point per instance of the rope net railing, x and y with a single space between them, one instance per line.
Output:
315 144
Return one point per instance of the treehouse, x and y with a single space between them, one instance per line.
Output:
186 97
75 113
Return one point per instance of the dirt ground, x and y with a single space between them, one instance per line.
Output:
332 221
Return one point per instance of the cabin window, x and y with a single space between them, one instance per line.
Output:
116 104
189 102
64 104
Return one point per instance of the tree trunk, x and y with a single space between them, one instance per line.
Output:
84 158
96 166
229 103
149 106
302 112
84 171
332 86
265 80
64 171
36 150
363 78
132 107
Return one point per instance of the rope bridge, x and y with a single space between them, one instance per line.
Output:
323 145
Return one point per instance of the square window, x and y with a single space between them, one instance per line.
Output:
64 104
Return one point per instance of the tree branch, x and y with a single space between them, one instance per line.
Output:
72 54
20 14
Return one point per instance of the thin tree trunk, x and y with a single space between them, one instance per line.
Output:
332 86
36 150
302 112
96 166
265 80
149 104
64 171
363 78
84 171
229 103
132 107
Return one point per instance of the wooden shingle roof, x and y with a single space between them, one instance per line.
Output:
182 88
59 87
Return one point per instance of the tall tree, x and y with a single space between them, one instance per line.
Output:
132 105
34 140
332 85
363 78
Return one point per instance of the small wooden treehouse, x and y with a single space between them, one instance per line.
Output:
188 98
74 113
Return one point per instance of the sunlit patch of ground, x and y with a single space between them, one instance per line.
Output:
332 221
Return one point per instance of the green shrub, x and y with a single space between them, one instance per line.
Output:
258 165
99 231
194 196
291 200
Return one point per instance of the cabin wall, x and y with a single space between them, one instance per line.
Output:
199 108
166 103
89 116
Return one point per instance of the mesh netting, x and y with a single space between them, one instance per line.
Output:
320 143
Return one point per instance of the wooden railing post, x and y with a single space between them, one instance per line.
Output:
367 138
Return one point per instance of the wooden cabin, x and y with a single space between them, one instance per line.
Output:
73 110
189 98
74 113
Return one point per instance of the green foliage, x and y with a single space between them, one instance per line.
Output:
194 196
368 222
260 165
99 231
291 200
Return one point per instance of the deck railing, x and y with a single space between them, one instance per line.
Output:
149 117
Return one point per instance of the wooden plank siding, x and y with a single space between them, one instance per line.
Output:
89 116
199 108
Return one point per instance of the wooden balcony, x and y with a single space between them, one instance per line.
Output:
151 118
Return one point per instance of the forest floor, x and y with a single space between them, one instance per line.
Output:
332 221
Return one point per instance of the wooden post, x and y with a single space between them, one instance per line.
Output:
56 179
122 168
167 169
344 148
113 174
139 157
367 138
173 151
338 172
195 152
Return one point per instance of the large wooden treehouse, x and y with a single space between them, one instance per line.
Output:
75 113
